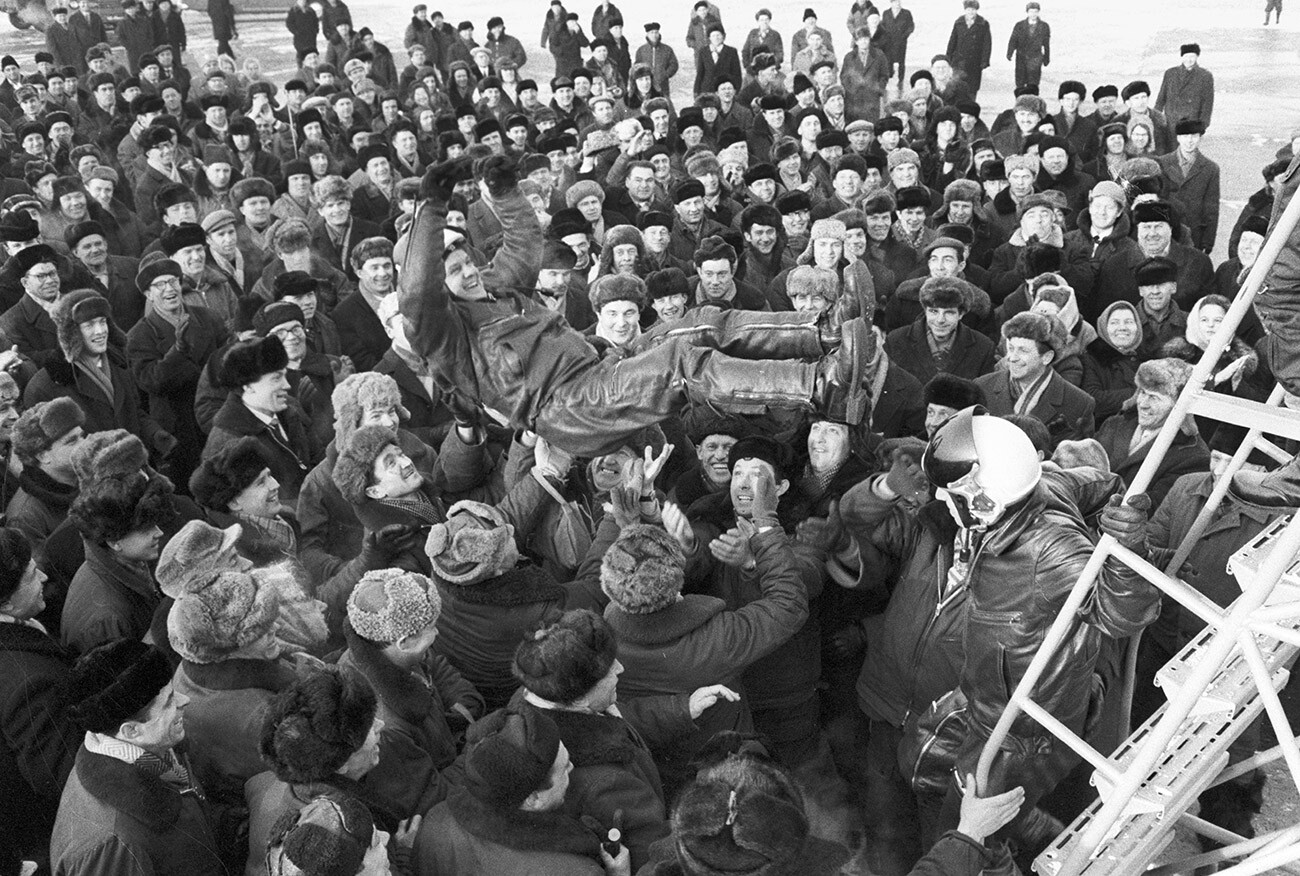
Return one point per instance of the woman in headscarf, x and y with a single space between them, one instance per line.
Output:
1141 139
1112 152
1110 362
1059 301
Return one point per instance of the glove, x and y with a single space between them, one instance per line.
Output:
1127 524
463 408
391 541
846 643
905 477
551 460
440 180
765 498
499 173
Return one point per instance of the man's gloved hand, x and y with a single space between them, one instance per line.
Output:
391 541
763 506
905 477
846 643
499 173
552 461
1127 523
463 408
440 180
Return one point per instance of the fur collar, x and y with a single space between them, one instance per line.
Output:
54 495
120 786
686 615
523 585
400 691
240 674
523 831
592 740
22 639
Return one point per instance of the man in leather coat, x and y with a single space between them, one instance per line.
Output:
494 348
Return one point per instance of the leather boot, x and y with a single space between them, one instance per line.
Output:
1273 489
832 322
840 394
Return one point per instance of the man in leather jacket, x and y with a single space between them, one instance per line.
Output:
495 348
1021 545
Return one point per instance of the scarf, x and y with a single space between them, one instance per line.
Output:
816 484
99 375
419 507
1028 399
166 767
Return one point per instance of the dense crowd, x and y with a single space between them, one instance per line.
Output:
406 472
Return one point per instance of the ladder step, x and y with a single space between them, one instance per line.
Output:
1140 834
1246 562
1233 684
1271 419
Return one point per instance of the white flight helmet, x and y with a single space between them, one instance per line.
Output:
981 465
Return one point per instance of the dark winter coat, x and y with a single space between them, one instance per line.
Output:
1187 454
38 508
39 738
464 835
864 82
972 353
613 772
970 48
115 820
303 24
417 742
900 409
289 461
1196 194
361 334
1109 376
708 71
1186 94
107 600
1116 281
697 641
1066 410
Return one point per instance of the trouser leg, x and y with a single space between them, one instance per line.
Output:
892 813
597 410
792 731
745 334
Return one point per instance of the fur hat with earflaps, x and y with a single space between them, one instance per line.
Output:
353 395
113 683
213 619
77 307
476 543
227 473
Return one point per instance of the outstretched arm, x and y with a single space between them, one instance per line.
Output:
433 326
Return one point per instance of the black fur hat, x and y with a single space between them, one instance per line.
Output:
227 473
564 660
952 391
247 361
114 682
313 726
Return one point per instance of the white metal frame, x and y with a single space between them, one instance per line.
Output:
1149 783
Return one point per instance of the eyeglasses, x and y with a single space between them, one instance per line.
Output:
43 276
294 329
165 283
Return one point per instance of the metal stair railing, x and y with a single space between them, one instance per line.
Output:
1233 630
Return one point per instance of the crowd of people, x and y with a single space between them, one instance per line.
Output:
447 469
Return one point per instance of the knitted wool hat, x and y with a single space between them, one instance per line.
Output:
213 619
110 454
617 287
330 836
42 424
644 570
476 543
952 391
198 552
353 395
388 605
314 725
73 309
220 479
1164 376
248 361
509 755
903 155
810 280
582 189
563 661
111 684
